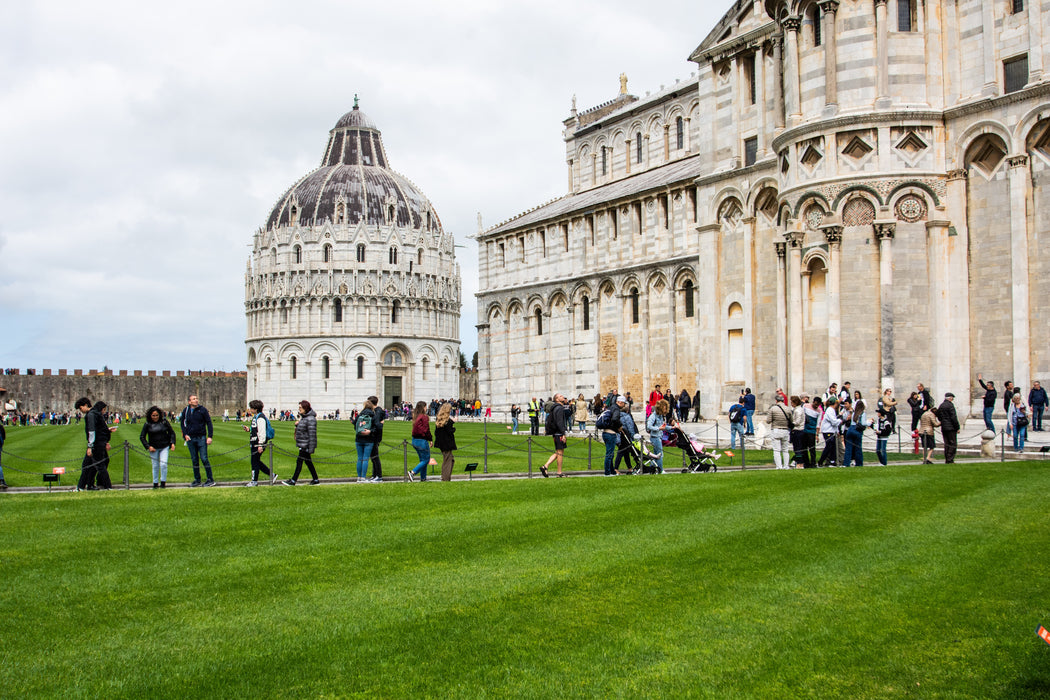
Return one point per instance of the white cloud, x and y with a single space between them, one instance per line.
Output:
142 144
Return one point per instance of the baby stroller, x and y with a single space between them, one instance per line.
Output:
699 459
646 462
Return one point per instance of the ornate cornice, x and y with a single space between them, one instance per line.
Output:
804 131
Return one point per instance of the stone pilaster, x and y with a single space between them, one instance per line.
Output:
796 317
1020 185
792 91
884 232
829 10
882 99
781 250
833 233
778 82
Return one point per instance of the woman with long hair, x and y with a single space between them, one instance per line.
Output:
445 440
655 425
306 441
159 438
421 439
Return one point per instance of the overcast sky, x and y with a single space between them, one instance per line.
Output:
141 144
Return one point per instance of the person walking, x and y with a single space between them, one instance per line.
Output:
749 409
306 441
927 423
609 422
377 439
829 428
258 430
197 434
445 440
655 424
780 425
158 437
421 439
1037 402
627 432
1017 421
812 412
363 439
949 427
556 427
989 401
514 413
737 422
94 474
696 406
883 430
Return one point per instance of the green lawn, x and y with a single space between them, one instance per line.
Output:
30 451
908 581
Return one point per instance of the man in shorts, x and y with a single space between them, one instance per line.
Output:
556 428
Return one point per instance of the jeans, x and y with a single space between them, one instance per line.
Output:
658 449
854 448
610 440
514 425
734 430
582 424
780 437
988 418
199 453
364 456
750 423
1020 435
880 450
1037 418
159 458
423 450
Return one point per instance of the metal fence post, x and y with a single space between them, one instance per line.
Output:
404 453
269 449
486 458
743 453
717 446
1002 445
127 465
590 447
530 456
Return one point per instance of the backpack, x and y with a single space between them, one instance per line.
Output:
364 422
269 428
604 421
736 414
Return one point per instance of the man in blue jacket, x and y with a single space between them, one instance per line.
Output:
749 408
197 432
1037 400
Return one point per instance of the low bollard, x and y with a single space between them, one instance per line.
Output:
127 465
485 468
404 454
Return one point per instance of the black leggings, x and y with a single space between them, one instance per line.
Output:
257 465
304 458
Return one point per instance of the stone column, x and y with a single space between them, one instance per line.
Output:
792 91
687 124
672 340
830 8
833 234
750 231
939 305
1035 42
709 319
988 39
882 91
628 161
1020 186
959 255
643 323
797 318
778 83
781 249
930 23
884 232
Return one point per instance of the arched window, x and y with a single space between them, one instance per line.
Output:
294 219
340 214
360 252
425 363
638 147
817 299
735 343
419 256
337 310
297 254
634 305
586 313
814 18
679 126
273 257
687 292
268 367
326 368
360 367
395 309
328 252
539 322
390 213
295 366
605 160
905 16
393 255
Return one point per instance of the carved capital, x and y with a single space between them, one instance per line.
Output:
885 230
959 174
1017 161
827 6
833 233
795 238
879 2
791 24
781 248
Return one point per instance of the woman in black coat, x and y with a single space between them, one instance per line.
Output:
159 438
445 440
306 441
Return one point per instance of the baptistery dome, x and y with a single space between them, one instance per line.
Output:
352 288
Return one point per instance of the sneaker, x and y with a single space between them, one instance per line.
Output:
543 470
156 485
3 485
273 478
288 482
376 479
195 484
411 475
210 482
314 482
252 483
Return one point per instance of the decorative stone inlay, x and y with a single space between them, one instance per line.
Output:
830 192
650 206
814 217
911 208
858 212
